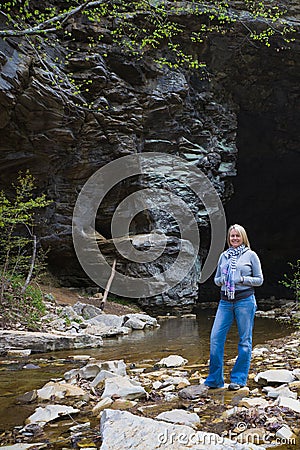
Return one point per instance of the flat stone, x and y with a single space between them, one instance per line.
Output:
122 404
104 403
274 376
80 427
59 390
177 381
157 384
80 357
102 375
194 391
41 416
46 342
172 361
145 318
259 351
109 320
20 352
282 391
180 416
289 403
284 432
91 370
123 387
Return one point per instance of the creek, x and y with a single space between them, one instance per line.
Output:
187 336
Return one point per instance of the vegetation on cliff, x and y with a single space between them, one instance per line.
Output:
21 260
146 28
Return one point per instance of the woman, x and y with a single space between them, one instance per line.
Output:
238 272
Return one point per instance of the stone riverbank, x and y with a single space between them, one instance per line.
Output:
161 404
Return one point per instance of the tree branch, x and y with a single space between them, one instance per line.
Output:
107 287
31 266
42 27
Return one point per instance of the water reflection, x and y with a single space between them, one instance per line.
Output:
188 337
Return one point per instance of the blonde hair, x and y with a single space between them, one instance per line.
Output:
241 231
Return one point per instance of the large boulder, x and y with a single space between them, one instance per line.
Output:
123 430
46 342
181 417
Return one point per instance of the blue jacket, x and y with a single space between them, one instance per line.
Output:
248 269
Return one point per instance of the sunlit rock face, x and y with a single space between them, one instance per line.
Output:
139 107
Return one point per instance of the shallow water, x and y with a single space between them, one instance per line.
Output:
188 337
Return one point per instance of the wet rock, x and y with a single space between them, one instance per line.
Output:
172 361
193 392
31 366
274 376
123 387
28 397
180 417
123 404
41 416
59 390
80 427
121 429
104 403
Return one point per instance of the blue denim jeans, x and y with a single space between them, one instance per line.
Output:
243 312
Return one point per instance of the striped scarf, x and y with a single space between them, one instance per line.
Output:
229 271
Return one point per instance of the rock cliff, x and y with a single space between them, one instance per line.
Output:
245 107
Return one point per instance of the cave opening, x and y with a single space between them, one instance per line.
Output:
267 193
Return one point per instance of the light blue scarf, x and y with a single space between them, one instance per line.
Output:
229 271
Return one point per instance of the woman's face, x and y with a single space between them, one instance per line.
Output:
235 238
